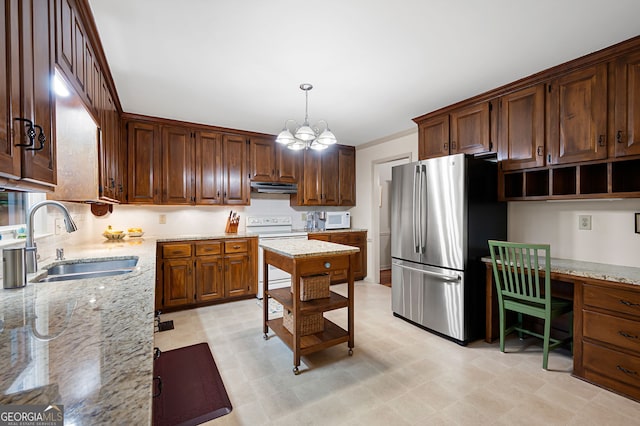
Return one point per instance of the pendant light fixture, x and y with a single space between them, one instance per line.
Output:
306 136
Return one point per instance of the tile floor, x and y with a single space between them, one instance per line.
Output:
398 375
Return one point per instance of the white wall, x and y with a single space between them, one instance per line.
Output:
367 190
612 238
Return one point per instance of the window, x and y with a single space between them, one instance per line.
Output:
13 212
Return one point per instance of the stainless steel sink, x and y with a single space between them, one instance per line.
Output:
83 269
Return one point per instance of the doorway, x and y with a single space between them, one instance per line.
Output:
381 216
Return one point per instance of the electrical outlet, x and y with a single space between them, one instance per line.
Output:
58 225
584 222
162 219
303 217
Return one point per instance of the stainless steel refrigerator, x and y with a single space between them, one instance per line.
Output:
443 211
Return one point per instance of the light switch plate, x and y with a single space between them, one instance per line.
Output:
584 222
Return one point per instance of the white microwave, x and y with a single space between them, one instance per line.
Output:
337 220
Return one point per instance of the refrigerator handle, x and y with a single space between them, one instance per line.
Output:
416 233
443 277
423 212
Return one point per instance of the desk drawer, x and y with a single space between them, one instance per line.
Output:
612 369
236 246
613 330
614 299
208 248
170 251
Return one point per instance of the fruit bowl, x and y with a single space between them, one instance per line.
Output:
114 235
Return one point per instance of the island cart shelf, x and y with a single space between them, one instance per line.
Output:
300 259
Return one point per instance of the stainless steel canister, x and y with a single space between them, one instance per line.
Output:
14 268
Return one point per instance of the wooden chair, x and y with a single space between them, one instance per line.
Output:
520 290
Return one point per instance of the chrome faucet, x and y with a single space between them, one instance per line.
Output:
31 249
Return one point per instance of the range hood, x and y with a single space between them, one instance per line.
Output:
274 187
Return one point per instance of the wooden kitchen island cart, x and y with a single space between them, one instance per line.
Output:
303 258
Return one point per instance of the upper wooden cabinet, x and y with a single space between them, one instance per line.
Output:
144 168
470 129
626 130
173 164
347 175
328 177
521 129
272 162
577 116
462 130
27 137
433 139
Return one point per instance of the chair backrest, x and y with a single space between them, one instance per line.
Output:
522 280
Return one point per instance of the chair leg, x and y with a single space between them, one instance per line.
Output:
547 336
502 328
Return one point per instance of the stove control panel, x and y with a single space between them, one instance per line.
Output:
268 220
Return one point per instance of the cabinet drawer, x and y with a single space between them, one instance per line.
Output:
176 250
614 299
620 332
613 365
236 246
320 237
208 248
350 239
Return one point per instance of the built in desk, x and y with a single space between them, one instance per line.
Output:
606 321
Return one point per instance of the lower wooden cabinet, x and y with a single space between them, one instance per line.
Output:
196 273
606 345
349 238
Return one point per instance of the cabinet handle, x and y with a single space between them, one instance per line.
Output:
445 147
540 151
453 145
627 335
601 140
619 136
41 139
626 371
159 380
627 303
236 247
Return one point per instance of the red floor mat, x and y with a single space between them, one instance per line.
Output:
192 391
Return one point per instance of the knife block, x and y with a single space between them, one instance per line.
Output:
232 227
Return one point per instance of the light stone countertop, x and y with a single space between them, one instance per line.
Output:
598 271
306 248
86 344
332 231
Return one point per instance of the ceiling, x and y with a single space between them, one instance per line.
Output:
374 65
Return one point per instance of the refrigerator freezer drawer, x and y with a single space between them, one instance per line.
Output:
431 297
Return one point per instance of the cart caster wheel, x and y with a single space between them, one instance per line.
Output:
350 352
296 371
265 336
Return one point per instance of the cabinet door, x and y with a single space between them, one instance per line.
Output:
287 164
177 166
312 178
236 175
330 177
9 92
347 175
208 168
433 137
237 275
38 99
65 23
354 239
627 106
209 278
521 129
577 114
79 62
470 129
263 157
178 282
144 163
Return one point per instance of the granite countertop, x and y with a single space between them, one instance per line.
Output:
598 271
204 237
307 248
86 344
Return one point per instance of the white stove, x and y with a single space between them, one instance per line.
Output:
271 228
